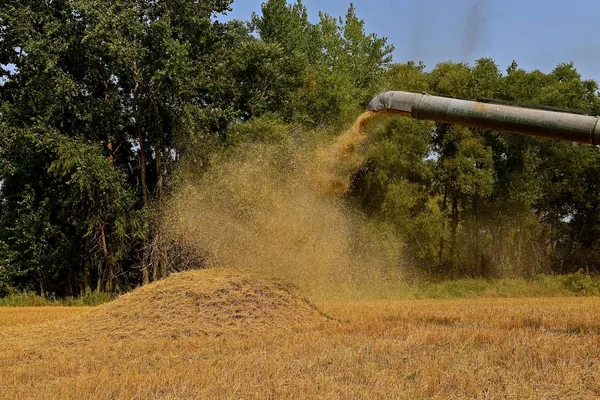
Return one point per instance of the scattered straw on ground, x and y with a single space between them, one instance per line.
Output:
17 316
481 348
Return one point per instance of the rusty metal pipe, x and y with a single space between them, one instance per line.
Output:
528 121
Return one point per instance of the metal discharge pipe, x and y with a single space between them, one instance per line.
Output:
543 123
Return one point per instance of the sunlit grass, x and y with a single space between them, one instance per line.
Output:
34 300
151 345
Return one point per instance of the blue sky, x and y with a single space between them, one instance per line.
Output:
537 34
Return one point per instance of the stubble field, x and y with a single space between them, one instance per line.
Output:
225 334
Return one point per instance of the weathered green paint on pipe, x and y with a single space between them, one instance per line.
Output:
543 123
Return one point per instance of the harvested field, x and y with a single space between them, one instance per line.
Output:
36 315
224 334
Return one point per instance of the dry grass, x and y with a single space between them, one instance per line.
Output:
224 334
36 315
232 335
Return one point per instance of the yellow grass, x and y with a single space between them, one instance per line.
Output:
224 334
231 335
36 315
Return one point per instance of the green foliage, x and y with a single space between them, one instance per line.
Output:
471 202
266 129
103 100
540 286
56 205
338 66
582 284
6 290
408 77
28 299
91 115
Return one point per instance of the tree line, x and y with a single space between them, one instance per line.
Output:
100 101
475 202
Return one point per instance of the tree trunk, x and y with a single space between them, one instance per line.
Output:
478 264
159 256
87 286
140 135
143 182
111 155
142 165
454 228
145 272
158 247
164 260
155 256
110 267
158 151
99 281
145 269
442 241
70 289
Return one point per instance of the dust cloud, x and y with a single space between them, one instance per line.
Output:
336 163
441 31
279 209
476 27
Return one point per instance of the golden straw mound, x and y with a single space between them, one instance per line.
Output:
213 302
208 302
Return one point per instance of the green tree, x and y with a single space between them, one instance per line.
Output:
124 84
497 204
339 67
